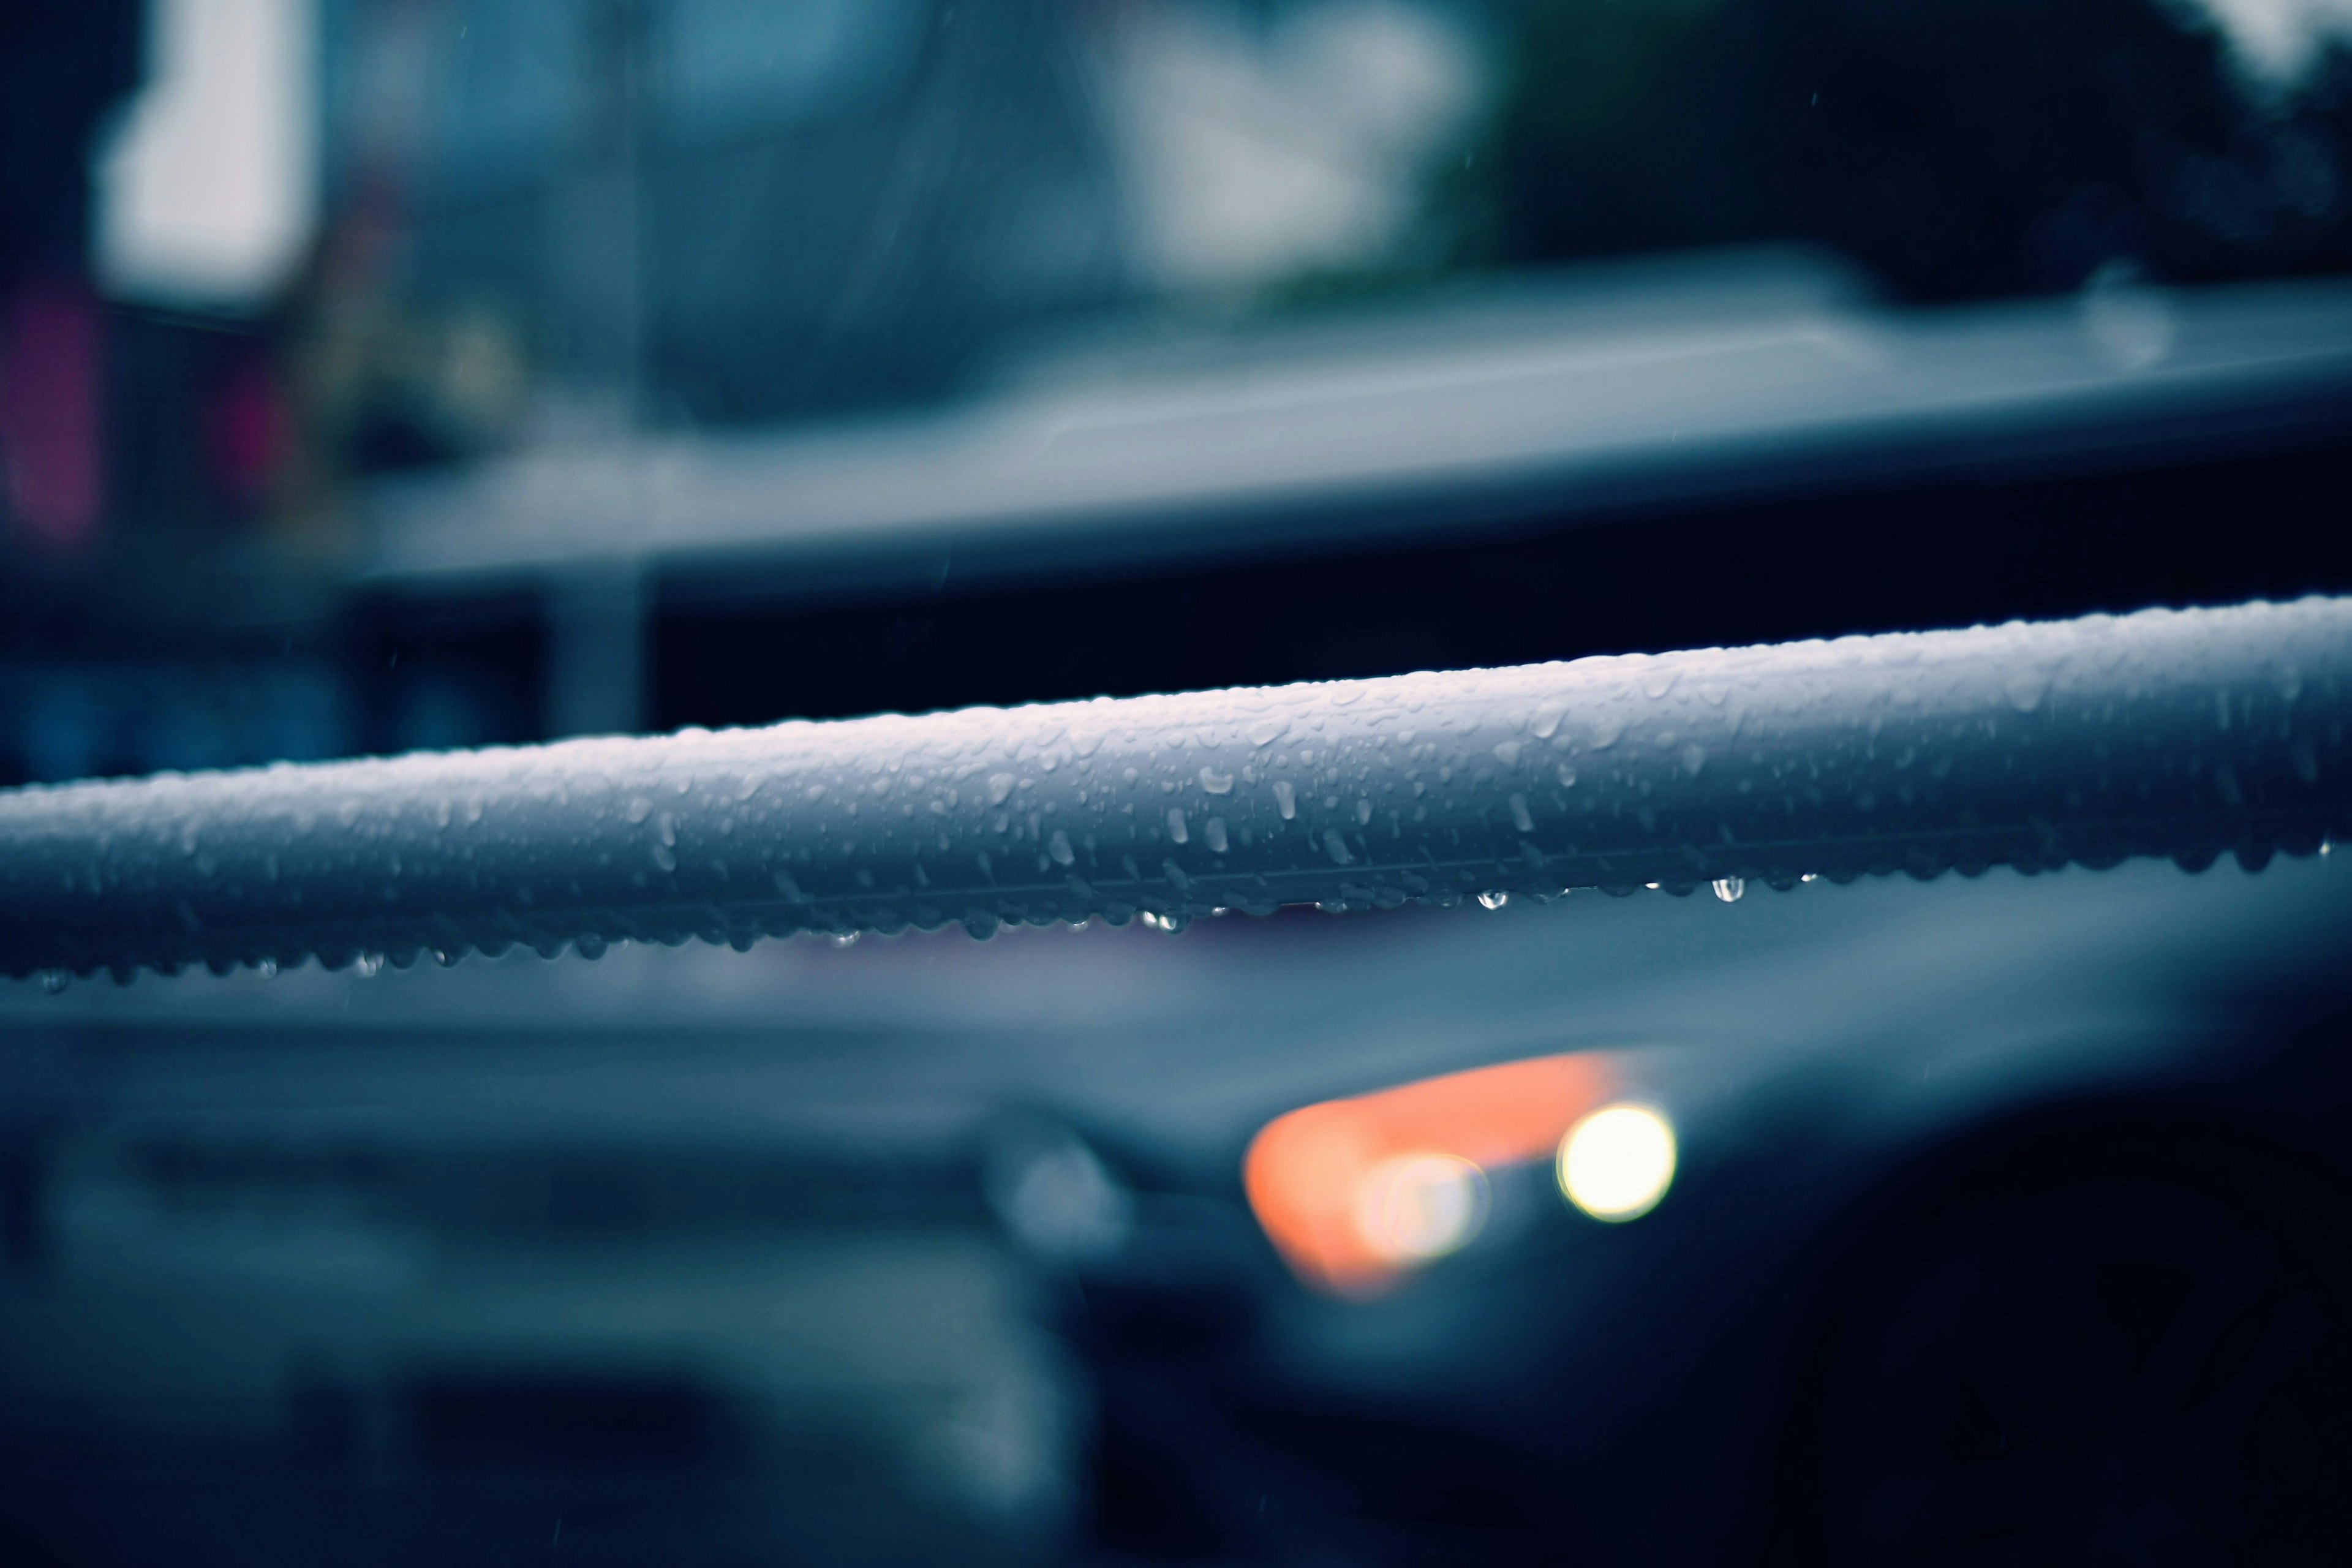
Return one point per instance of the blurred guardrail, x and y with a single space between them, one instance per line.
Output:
2187 734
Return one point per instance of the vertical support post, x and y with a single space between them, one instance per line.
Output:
596 243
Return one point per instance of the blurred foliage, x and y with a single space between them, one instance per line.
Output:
1959 148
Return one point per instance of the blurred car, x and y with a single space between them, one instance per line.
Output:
2007 1205
2001 1221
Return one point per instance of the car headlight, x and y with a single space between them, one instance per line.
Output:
1358 1193
1617 1163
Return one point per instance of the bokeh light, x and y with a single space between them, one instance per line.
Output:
1616 1164
1355 1192
1417 1207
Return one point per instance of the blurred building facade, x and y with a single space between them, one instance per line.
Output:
620 240
539 225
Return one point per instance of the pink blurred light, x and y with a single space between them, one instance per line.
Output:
248 429
51 444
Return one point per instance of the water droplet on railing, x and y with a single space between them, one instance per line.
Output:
1494 898
1729 889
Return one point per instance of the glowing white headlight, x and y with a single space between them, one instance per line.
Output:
1616 1164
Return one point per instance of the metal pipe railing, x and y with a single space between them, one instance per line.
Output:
2181 733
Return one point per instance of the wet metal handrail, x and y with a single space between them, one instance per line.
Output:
2181 733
